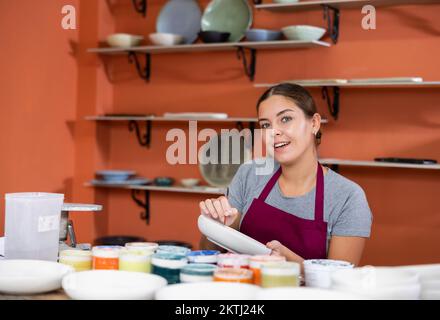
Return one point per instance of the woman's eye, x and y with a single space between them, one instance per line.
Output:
264 125
286 119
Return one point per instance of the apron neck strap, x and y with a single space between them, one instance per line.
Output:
319 191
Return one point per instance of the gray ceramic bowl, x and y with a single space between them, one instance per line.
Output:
263 35
164 181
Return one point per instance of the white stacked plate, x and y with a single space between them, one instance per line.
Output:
429 275
302 293
379 283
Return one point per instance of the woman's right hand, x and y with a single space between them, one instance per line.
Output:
220 210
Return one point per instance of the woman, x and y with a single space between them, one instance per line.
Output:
301 210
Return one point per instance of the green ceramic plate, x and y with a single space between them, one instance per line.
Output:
234 16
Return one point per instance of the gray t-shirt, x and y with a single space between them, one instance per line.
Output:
346 208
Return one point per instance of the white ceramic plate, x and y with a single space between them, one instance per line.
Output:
208 291
112 285
305 294
229 238
31 276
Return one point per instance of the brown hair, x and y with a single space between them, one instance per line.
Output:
297 94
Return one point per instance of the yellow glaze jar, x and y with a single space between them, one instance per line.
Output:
137 260
280 274
80 260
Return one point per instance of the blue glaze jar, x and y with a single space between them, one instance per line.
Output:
197 272
203 256
173 249
168 265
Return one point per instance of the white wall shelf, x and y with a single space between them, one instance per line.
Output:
356 163
249 66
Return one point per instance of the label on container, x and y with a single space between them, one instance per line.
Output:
48 223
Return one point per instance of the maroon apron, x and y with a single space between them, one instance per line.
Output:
306 238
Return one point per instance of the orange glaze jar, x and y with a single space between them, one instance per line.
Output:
106 257
256 262
233 275
233 260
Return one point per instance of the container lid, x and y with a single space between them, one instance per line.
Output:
139 252
203 256
75 253
174 249
257 261
233 273
233 259
148 245
327 264
169 256
284 268
199 269
107 251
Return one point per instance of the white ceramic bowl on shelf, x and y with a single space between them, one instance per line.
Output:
190 182
166 39
303 32
121 40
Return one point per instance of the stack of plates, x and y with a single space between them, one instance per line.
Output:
429 275
379 283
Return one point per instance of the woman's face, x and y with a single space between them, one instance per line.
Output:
287 132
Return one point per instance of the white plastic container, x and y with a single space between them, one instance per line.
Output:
318 271
32 227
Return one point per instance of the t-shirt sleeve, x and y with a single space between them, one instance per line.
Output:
236 189
355 219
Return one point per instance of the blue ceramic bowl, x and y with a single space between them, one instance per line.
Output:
164 181
214 36
263 35
115 175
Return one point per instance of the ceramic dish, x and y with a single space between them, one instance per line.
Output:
165 39
135 181
112 285
263 35
214 36
31 276
189 183
231 149
303 33
230 239
302 293
180 17
234 16
208 291
163 181
121 40
115 175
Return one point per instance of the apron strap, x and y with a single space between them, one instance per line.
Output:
319 191
269 185
319 195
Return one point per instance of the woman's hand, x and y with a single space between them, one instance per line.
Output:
219 209
280 250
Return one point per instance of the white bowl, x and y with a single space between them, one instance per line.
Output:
302 293
112 285
208 291
430 295
402 292
426 272
165 39
121 40
303 33
190 182
229 238
318 271
31 276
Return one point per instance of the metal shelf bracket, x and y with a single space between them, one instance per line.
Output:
144 73
145 139
250 68
145 205
332 106
332 22
140 6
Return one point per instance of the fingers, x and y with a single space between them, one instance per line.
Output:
217 208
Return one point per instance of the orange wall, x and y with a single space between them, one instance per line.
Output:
373 122
37 99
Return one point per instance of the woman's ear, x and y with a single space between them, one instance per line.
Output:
316 123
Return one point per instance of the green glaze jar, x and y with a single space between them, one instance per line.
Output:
280 274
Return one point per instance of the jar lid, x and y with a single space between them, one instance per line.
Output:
75 253
327 264
169 256
147 245
233 259
107 251
173 249
141 252
281 268
257 261
203 256
199 269
233 273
